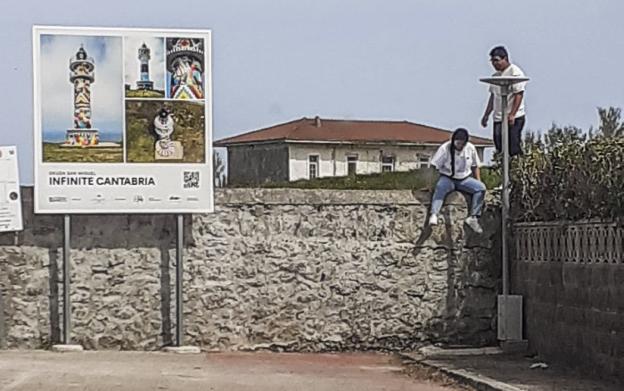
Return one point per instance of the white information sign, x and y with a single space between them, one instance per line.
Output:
10 200
122 120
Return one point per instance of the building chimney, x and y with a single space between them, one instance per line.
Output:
317 121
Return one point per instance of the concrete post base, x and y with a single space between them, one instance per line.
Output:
67 348
182 349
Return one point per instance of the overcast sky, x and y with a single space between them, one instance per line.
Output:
277 60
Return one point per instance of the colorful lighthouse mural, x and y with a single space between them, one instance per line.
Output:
185 64
82 76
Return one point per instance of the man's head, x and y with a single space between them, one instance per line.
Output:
459 138
499 58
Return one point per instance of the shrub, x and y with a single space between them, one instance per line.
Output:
569 177
421 179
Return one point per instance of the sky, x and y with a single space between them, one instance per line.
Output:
274 61
57 92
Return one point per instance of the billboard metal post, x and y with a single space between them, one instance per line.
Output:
66 280
179 281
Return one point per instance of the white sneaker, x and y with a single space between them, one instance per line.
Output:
433 220
473 223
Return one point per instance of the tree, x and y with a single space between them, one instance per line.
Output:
558 135
532 140
611 124
218 168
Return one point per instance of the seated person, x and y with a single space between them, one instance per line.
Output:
458 164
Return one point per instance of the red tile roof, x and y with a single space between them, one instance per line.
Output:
347 131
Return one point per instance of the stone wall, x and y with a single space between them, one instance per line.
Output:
571 279
280 269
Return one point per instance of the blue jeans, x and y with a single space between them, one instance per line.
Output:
469 186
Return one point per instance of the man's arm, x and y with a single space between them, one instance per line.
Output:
488 111
515 105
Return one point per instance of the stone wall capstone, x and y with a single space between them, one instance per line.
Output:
281 269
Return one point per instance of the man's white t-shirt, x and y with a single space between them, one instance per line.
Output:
465 160
511 70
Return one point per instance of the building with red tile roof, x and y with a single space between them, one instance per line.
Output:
314 147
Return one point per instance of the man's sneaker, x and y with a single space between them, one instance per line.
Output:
433 220
473 223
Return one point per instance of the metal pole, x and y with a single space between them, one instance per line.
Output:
179 277
505 216
66 280
509 306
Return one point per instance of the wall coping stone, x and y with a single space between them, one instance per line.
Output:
237 196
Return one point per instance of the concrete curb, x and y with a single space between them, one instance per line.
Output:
464 377
432 352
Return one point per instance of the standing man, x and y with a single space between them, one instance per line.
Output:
515 103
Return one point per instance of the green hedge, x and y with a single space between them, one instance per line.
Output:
422 179
569 176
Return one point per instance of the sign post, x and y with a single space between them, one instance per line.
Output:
179 281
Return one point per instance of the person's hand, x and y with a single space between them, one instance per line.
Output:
511 118
484 121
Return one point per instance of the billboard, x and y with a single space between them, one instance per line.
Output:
122 120
10 200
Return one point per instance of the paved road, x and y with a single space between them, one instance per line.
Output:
138 371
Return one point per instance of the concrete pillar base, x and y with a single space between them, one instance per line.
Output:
182 349
67 348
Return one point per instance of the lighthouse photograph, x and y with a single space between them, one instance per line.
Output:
144 67
185 68
81 98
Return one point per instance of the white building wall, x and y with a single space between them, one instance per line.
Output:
299 161
333 158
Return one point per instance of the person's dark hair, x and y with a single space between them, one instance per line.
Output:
499 51
458 134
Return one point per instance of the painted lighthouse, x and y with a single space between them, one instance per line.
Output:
185 63
144 82
82 76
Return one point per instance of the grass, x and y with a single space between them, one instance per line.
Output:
189 130
145 94
55 153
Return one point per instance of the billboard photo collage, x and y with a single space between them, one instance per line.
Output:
123 99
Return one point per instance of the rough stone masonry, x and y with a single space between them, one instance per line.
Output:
293 270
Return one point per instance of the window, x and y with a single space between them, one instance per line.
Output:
387 163
313 166
423 161
352 165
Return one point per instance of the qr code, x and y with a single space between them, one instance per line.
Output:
191 179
